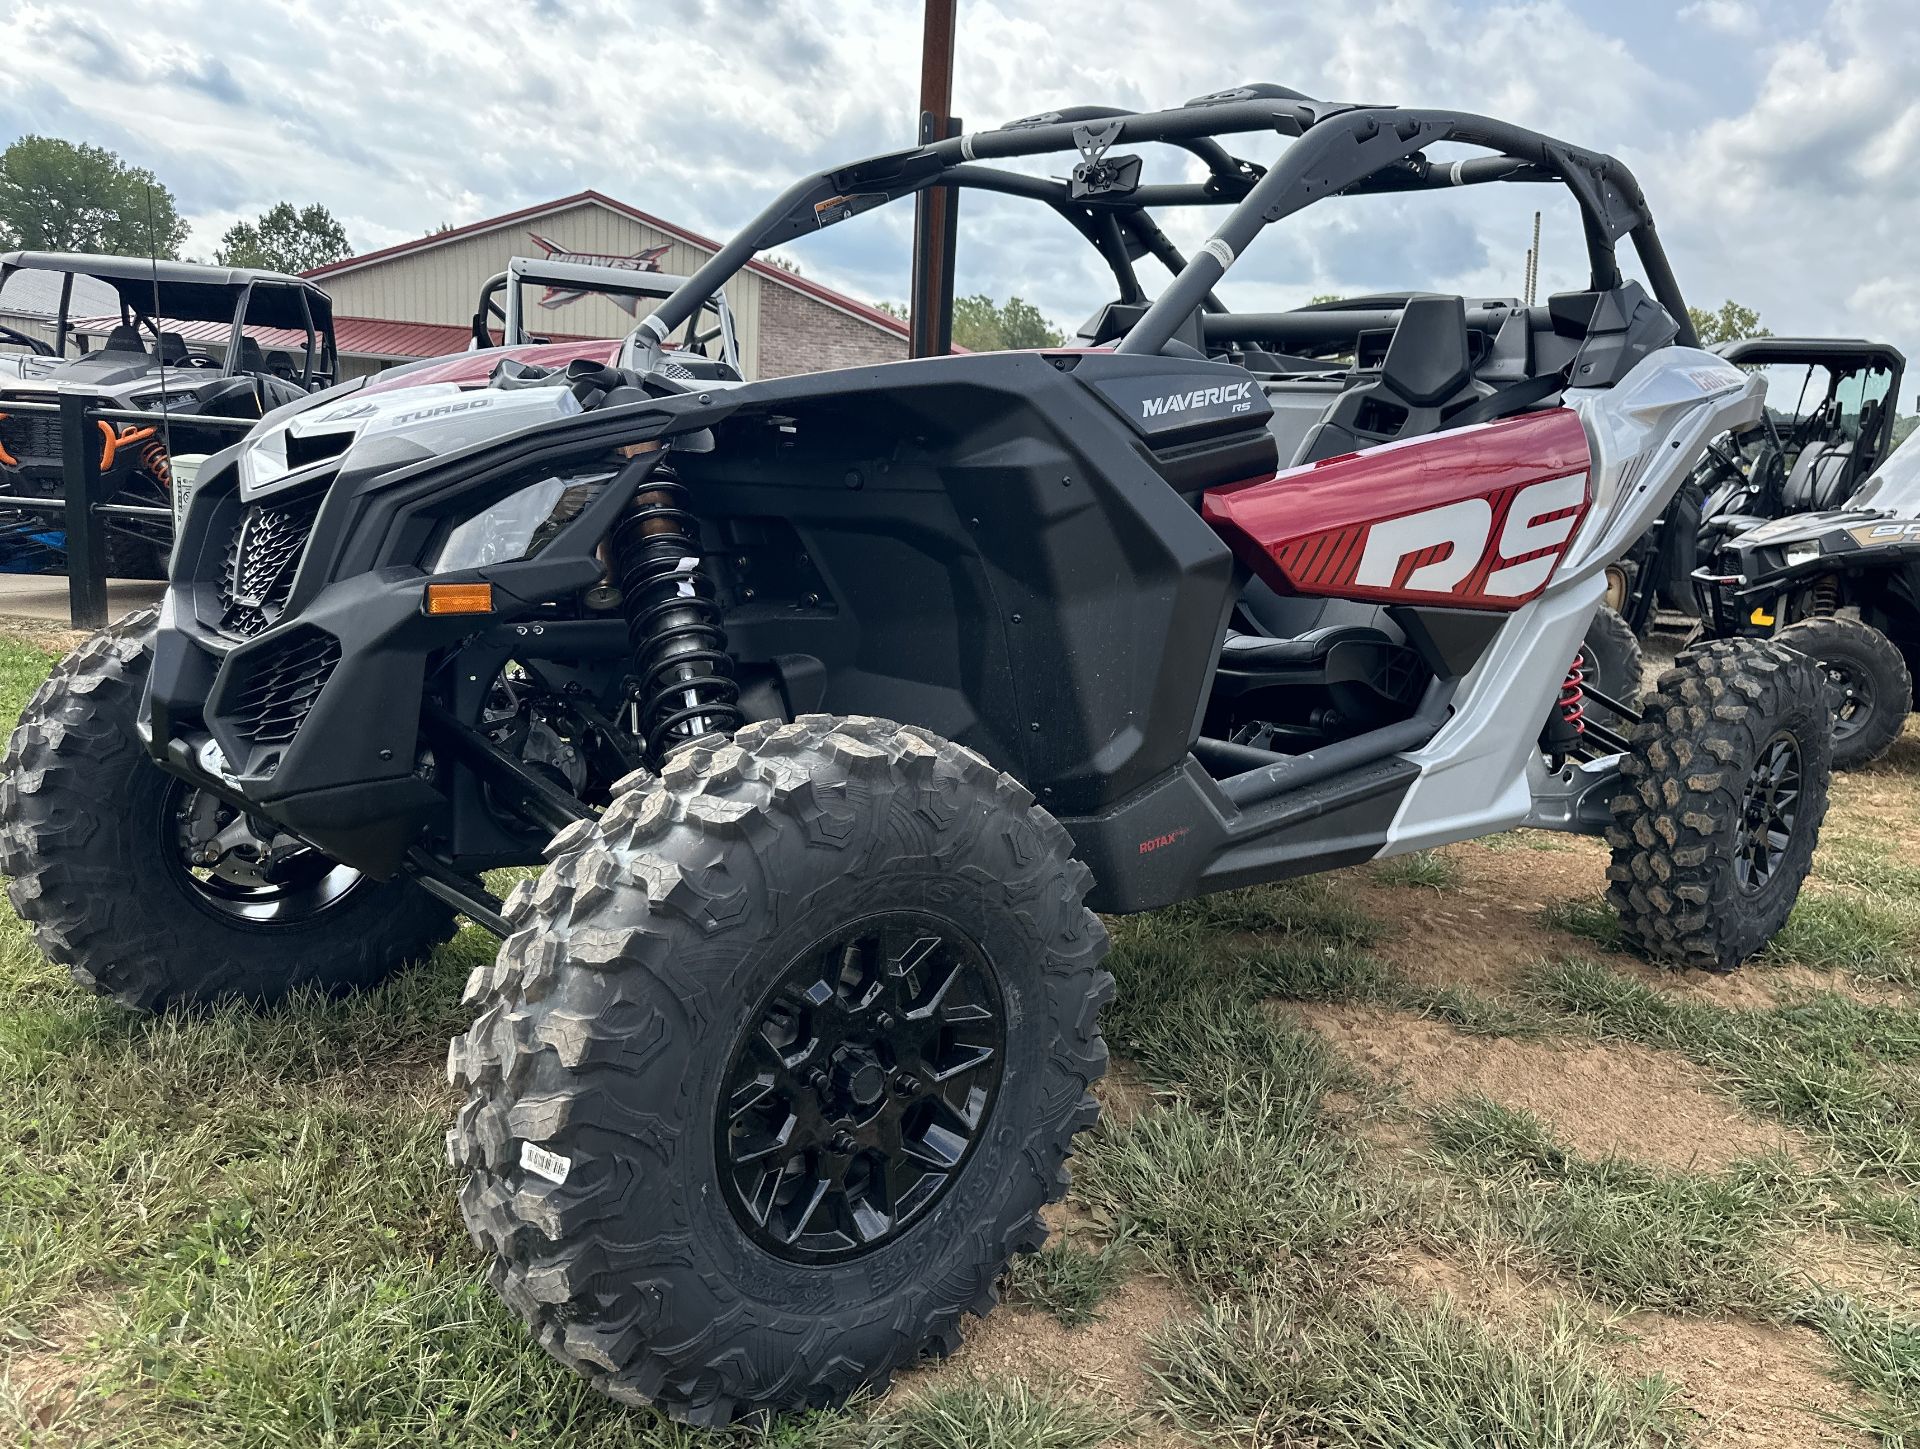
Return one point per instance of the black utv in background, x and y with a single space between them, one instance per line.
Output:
192 341
1840 583
1829 424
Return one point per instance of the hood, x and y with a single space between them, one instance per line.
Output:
391 429
1798 526
474 369
95 372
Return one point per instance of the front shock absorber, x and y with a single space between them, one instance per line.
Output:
682 684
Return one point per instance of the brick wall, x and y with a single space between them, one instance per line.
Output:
798 334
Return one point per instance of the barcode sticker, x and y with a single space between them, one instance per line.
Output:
550 1165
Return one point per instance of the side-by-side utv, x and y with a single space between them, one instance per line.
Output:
834 706
1829 423
191 341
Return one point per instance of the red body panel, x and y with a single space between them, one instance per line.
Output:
472 369
1476 519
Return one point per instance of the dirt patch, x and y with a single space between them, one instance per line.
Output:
1754 1385
1484 931
1102 1360
1121 1093
1487 932
1876 1273
40 1387
43 633
1623 1100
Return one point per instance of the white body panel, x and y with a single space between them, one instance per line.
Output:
1479 773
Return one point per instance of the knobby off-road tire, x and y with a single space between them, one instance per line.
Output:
651 949
86 823
1726 789
1868 670
1614 661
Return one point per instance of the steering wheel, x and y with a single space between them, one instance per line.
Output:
33 344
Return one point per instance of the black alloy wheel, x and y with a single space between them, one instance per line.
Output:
235 866
1769 809
860 1087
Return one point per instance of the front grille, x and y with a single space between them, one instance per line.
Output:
268 703
262 555
33 441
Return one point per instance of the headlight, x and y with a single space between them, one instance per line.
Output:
172 397
1801 553
516 527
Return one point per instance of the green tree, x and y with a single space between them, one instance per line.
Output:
979 325
285 240
1731 323
56 196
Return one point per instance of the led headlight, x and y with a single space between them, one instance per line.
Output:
517 526
170 396
1801 553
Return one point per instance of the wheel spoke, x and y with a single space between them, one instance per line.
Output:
838 1126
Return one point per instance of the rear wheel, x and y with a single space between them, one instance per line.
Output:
155 893
1726 790
1613 657
786 1055
1873 692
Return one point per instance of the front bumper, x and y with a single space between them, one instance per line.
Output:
313 724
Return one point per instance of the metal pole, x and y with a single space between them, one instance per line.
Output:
936 209
86 539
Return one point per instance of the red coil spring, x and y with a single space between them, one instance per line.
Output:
1573 695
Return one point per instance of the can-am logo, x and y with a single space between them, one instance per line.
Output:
1205 397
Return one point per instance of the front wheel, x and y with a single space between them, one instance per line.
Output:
785 1056
155 893
1726 789
1872 688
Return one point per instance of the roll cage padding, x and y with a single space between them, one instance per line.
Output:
1339 149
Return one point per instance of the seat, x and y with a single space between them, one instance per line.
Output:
125 338
251 358
1257 652
172 349
1819 478
280 364
1428 364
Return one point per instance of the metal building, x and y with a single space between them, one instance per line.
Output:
417 299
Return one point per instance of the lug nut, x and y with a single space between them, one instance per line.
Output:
842 1142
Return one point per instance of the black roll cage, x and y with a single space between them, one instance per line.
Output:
1340 149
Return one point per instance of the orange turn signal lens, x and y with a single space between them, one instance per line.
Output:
459 598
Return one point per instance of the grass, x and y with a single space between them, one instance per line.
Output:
1371 1373
1842 1068
1067 1281
238 1229
1626 1234
1426 868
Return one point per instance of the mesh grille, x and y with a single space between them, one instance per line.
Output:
262 556
281 683
34 441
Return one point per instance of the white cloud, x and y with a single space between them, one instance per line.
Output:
1729 17
1783 182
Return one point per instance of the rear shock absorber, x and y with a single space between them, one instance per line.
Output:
682 684
1568 722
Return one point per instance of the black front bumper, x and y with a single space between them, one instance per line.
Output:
313 724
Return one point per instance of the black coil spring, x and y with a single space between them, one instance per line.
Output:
682 685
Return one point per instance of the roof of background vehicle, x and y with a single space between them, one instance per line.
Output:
1809 349
187 291
146 269
886 321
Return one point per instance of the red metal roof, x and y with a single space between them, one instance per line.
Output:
886 321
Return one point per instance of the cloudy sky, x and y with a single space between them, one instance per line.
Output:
1776 139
